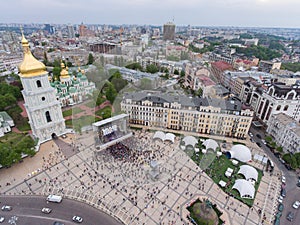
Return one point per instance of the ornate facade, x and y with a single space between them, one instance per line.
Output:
72 89
43 108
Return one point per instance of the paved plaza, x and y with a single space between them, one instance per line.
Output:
123 187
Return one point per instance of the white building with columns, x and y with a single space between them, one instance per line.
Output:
43 108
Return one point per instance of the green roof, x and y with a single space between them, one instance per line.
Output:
72 90
83 77
5 116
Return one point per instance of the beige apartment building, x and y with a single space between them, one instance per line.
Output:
182 113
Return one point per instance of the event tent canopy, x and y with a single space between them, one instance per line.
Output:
241 153
164 137
249 172
210 144
190 140
245 188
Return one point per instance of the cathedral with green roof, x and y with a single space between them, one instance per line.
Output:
72 89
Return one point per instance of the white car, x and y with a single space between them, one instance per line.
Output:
77 219
6 208
1 219
283 179
296 204
250 134
280 199
46 210
263 141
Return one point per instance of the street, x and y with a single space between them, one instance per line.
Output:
292 191
26 210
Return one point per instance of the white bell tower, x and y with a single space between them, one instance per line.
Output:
43 109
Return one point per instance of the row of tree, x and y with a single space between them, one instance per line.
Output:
12 152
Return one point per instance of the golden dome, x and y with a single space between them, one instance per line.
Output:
30 66
64 72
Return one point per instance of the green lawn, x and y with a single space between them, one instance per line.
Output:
82 121
90 104
72 111
11 137
104 113
215 167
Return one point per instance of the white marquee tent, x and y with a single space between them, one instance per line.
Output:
241 153
210 144
189 140
164 137
245 188
249 172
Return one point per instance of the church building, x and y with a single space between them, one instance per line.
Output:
43 108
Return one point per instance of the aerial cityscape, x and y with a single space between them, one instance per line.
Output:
147 112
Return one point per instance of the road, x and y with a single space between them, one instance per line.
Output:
292 191
27 210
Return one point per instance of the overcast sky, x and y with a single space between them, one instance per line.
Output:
254 13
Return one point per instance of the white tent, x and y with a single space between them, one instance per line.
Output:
164 137
245 188
210 144
241 153
160 135
249 172
169 137
190 140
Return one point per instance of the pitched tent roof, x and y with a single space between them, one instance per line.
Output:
241 153
164 137
210 144
170 137
160 135
245 188
249 172
190 140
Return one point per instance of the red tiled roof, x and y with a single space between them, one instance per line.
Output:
221 65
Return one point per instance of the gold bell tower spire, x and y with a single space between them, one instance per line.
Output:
30 66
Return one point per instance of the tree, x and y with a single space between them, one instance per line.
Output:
110 92
151 68
182 73
135 66
176 72
145 84
90 59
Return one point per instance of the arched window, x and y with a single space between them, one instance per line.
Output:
285 108
278 108
38 83
48 117
290 96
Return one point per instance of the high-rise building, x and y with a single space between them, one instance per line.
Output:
49 29
71 32
43 109
169 31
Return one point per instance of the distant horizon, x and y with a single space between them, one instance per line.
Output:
211 13
154 25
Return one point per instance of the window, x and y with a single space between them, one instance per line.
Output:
278 107
48 117
285 108
38 83
43 98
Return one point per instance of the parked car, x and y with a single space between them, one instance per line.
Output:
258 135
6 208
263 141
250 134
296 204
280 207
280 199
258 144
283 179
58 223
2 219
283 192
77 219
290 216
46 210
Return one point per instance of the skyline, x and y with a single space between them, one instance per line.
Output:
236 13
